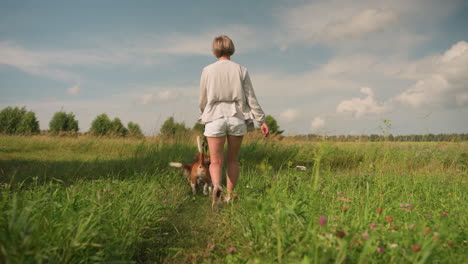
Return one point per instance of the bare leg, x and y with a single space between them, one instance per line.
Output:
234 144
216 146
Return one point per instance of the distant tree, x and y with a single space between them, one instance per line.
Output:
28 124
273 125
171 128
200 128
117 128
134 130
101 126
15 120
62 121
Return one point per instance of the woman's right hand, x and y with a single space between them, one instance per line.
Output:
264 129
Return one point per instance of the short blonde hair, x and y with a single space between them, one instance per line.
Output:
223 46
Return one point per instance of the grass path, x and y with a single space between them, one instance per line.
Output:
188 231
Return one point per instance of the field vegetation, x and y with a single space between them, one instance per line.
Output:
90 199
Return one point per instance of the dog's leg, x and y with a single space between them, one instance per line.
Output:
205 189
210 188
194 189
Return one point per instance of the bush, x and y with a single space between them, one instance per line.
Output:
62 121
273 125
117 128
15 120
134 130
170 128
101 126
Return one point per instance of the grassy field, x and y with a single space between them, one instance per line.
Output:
81 200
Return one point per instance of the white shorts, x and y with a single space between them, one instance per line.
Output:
226 126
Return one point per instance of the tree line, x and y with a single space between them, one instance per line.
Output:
452 137
19 121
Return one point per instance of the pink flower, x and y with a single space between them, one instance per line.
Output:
338 193
213 246
230 250
379 249
411 226
365 235
402 205
372 226
164 201
207 254
322 220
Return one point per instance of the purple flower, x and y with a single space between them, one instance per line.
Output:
365 235
372 226
380 249
207 254
338 193
322 220
230 250
213 246
402 205
165 201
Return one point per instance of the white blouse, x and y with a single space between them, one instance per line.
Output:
225 91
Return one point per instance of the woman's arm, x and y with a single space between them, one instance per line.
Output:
202 101
252 101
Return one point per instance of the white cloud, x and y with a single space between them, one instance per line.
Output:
74 90
317 123
162 96
289 115
360 24
444 82
360 107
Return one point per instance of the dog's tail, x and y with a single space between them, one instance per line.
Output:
176 164
199 145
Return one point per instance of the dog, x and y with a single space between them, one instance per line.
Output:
198 172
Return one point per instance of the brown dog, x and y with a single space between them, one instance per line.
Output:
198 172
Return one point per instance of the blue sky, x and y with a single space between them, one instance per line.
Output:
329 67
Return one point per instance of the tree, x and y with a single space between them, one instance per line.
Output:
198 128
28 124
117 128
101 125
15 120
62 121
171 128
134 130
273 125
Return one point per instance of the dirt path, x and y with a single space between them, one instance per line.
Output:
186 233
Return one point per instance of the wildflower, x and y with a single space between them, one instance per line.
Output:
444 214
338 193
301 167
322 220
380 249
165 201
427 230
389 219
402 205
411 226
340 234
416 248
393 245
408 205
379 210
372 225
213 246
230 250
298 178
365 235
207 254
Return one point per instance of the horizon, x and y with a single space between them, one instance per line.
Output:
318 67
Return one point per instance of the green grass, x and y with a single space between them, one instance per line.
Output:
81 200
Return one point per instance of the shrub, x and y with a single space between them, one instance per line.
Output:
134 130
171 128
15 120
62 121
28 124
117 128
101 126
273 125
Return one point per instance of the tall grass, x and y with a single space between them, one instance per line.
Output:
80 200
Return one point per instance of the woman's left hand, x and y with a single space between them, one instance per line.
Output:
264 129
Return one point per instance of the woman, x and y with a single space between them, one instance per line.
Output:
227 101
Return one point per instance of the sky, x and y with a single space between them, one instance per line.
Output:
322 67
